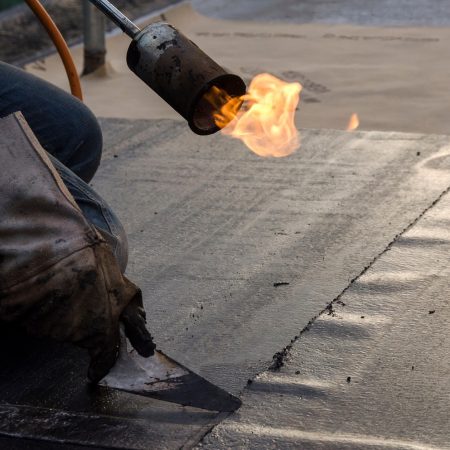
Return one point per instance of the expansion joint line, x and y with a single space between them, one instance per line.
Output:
280 357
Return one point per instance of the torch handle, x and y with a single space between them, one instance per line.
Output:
122 21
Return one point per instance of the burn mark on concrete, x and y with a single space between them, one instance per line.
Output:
386 38
307 83
311 89
308 99
281 283
241 34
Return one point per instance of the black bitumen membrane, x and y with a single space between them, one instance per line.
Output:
45 396
213 229
244 320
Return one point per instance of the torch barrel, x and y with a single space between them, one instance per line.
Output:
182 74
176 69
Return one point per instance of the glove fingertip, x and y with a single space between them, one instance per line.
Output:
134 323
145 348
141 340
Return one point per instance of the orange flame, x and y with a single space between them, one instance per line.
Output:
265 122
353 123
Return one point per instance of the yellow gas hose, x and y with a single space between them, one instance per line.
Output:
60 44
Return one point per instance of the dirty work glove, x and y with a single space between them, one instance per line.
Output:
104 358
104 350
58 277
133 320
82 299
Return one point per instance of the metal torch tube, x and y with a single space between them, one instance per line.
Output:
122 21
182 74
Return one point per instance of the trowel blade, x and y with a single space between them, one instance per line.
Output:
163 378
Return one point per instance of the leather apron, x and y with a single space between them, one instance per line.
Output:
58 277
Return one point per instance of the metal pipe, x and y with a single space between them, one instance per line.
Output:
94 38
122 21
176 69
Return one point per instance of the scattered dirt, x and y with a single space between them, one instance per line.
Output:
281 283
280 357
22 37
330 310
278 360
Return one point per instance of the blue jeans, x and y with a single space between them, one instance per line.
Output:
70 133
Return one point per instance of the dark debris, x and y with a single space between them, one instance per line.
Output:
281 283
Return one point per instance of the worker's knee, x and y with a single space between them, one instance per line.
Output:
64 126
86 142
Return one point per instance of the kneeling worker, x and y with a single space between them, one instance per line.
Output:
63 252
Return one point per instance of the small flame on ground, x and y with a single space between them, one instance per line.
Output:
353 123
263 118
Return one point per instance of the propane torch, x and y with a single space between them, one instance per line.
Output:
176 69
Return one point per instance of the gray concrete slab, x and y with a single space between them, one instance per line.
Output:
367 12
372 371
213 228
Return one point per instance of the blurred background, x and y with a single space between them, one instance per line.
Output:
386 61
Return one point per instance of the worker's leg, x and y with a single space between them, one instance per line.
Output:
71 135
64 126
97 212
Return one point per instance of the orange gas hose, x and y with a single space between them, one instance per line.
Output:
60 44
